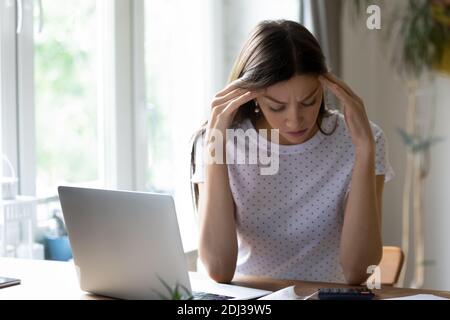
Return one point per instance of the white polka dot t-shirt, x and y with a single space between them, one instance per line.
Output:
289 224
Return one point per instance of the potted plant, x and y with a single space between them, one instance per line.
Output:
177 292
440 11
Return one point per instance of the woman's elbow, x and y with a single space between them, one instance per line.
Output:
219 270
357 270
220 274
355 279
221 277
357 274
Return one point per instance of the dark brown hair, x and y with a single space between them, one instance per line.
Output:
276 51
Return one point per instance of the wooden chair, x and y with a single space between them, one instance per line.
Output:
391 265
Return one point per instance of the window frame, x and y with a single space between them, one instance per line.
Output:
122 103
25 103
121 95
8 80
122 98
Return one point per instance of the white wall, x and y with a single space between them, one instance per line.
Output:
367 68
437 209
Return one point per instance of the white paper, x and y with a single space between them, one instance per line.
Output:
286 294
420 297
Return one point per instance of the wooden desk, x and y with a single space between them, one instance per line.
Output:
45 280
303 288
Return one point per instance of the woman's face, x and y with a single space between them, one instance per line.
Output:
292 107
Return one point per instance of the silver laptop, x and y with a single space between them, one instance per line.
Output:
127 245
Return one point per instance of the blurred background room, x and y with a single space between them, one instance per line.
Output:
105 94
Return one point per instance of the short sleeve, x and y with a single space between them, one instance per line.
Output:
199 172
382 164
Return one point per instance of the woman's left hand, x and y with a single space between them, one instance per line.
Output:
354 112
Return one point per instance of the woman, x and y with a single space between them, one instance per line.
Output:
319 217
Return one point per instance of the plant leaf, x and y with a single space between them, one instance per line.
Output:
407 138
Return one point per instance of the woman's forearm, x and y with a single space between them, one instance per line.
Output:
361 243
218 239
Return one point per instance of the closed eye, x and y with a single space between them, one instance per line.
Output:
277 108
281 107
309 104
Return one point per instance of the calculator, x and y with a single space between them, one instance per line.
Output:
345 294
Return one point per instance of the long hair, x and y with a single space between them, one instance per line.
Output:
276 51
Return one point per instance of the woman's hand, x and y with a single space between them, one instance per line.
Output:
218 244
225 106
354 112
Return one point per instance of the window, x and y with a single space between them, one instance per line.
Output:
52 112
178 81
65 57
107 93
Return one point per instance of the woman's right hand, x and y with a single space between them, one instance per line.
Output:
218 245
226 104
